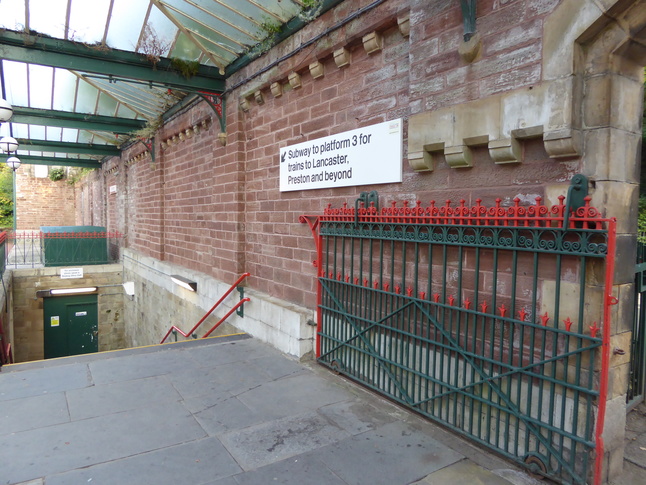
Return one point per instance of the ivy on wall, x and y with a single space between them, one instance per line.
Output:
56 174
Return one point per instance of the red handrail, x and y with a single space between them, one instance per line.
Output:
190 332
241 302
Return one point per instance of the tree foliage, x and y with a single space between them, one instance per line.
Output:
6 197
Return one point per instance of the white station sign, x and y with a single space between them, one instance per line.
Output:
365 156
71 273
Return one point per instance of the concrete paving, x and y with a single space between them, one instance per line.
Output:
225 411
635 448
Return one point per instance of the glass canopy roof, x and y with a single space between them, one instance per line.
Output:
83 74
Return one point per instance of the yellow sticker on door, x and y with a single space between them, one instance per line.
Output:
55 321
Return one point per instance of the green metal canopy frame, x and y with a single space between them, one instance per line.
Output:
111 91
36 49
66 119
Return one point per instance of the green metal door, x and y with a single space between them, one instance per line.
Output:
70 326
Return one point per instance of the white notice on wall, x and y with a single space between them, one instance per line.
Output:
71 273
365 156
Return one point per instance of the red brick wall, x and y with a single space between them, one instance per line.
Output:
217 209
42 202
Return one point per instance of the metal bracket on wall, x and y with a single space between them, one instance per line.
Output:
149 143
369 199
576 194
215 101
240 310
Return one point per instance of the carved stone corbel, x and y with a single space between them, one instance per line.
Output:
459 156
506 150
562 143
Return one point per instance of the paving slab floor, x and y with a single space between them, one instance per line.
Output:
223 411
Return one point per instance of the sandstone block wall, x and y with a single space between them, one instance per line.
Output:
158 303
28 309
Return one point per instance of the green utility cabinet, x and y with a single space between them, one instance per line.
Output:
73 245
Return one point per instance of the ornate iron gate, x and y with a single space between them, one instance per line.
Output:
485 319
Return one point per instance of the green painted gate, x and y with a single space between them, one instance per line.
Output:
70 325
637 379
485 319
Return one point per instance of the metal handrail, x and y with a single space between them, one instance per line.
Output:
237 305
228 292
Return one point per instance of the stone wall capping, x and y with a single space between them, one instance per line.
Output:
562 143
372 42
458 156
529 132
342 57
276 89
317 70
506 150
295 80
403 22
477 140
259 97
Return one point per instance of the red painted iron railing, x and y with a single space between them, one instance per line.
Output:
235 307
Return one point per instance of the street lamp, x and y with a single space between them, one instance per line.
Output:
8 144
13 163
6 110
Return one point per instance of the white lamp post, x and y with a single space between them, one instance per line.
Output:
8 144
13 163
